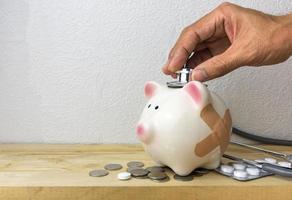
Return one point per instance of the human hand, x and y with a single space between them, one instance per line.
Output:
230 37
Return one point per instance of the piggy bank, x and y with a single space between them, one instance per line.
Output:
184 128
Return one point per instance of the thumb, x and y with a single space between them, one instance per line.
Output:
217 66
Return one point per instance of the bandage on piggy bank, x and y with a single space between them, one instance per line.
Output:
184 128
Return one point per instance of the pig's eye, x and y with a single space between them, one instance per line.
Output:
156 107
149 105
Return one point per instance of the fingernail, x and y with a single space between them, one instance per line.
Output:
200 75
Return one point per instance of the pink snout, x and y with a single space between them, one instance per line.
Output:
140 130
143 132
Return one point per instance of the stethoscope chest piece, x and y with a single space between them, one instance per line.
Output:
183 77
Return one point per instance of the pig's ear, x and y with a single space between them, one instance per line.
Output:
198 93
151 88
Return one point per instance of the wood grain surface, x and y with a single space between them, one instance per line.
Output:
32 171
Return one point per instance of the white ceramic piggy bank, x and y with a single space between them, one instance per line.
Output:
184 128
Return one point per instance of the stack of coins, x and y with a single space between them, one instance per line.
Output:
139 173
201 171
129 169
136 170
158 176
155 168
183 178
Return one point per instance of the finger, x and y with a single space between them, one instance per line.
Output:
218 46
199 57
206 50
166 71
217 66
176 60
174 76
190 38
201 46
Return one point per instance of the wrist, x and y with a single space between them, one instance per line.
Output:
285 32
286 19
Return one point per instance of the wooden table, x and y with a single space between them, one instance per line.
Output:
61 172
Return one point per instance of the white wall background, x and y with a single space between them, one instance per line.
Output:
73 71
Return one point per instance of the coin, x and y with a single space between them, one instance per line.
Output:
183 178
155 168
129 169
161 180
139 172
113 166
135 164
156 175
195 174
202 170
98 173
141 177
167 169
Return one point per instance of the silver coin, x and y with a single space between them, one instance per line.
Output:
155 175
202 171
129 169
135 164
141 177
139 172
98 173
175 84
155 168
161 180
113 166
167 169
195 174
183 178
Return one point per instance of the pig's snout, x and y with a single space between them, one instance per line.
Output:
140 129
143 132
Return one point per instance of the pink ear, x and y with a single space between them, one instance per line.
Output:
150 89
194 91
